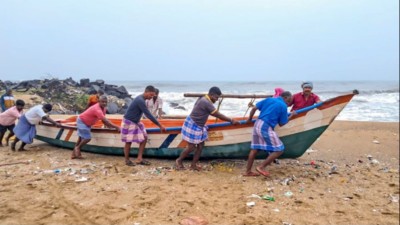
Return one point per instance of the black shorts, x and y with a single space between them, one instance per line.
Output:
5 128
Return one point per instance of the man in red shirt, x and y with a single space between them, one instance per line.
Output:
86 120
305 98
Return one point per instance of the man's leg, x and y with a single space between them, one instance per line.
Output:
183 155
1 138
73 154
271 157
21 148
78 147
14 143
8 137
250 161
142 145
127 149
196 156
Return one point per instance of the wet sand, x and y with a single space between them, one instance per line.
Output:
333 183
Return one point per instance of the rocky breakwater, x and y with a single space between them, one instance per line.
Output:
68 96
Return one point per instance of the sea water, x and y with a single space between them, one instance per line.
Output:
377 100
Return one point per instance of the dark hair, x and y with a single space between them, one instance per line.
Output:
157 91
286 94
20 102
215 91
48 107
150 88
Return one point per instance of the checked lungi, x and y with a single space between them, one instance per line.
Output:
25 131
132 132
83 129
265 138
192 133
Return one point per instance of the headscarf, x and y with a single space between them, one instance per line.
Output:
278 92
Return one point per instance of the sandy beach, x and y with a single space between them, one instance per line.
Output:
349 176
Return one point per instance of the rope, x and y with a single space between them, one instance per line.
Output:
250 105
219 105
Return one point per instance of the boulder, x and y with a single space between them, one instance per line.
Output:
112 108
84 82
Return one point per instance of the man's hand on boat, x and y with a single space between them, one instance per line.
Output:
249 120
162 128
223 117
235 122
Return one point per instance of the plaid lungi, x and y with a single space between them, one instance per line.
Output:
193 133
265 138
25 131
132 132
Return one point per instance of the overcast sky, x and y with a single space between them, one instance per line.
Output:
224 40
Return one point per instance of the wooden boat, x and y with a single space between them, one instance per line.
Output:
225 140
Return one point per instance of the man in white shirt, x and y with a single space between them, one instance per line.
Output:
26 127
154 105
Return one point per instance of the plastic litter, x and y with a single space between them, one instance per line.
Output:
288 194
82 179
56 171
254 196
250 204
268 198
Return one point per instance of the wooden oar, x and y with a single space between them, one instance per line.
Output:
227 95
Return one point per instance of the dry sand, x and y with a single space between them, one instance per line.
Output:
359 191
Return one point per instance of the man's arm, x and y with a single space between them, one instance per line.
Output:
252 112
148 114
223 117
317 99
51 120
109 124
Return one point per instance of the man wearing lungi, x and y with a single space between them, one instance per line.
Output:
194 130
25 130
86 120
8 118
273 111
133 130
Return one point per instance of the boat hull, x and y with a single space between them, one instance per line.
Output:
225 140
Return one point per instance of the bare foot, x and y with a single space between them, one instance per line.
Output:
76 154
196 168
179 165
251 174
262 172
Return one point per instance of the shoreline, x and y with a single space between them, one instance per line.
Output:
357 189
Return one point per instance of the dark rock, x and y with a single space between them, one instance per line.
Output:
99 82
180 107
128 101
122 89
84 82
109 87
94 87
112 108
69 81
122 110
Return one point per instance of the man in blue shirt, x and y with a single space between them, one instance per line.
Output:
273 111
